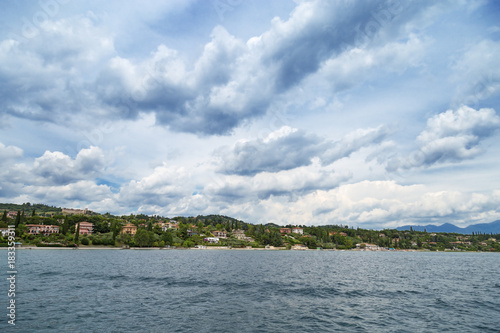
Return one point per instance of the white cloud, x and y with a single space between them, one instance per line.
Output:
288 148
9 153
58 168
162 187
477 73
372 204
451 136
330 80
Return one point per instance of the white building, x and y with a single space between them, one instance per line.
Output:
212 240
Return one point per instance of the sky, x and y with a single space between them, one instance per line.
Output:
371 114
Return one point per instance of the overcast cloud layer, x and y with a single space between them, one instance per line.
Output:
372 114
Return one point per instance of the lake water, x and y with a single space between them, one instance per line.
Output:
253 291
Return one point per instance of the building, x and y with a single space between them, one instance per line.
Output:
219 234
36 229
285 230
240 235
12 214
211 240
86 228
300 247
6 232
191 232
299 231
71 211
369 247
170 225
129 229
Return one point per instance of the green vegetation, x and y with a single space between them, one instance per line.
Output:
199 230
39 209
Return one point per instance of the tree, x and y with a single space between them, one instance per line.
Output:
4 216
115 228
33 214
77 234
18 219
167 237
65 226
144 238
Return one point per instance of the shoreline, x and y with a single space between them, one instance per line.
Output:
221 248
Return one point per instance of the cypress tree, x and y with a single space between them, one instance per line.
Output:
18 218
4 216
77 236
33 214
65 226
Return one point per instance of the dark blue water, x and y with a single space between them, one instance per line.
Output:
253 291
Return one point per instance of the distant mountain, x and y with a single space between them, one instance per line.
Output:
492 227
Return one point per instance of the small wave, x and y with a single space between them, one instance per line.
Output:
49 273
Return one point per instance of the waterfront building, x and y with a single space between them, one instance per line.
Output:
86 228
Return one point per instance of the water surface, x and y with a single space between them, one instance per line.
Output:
254 291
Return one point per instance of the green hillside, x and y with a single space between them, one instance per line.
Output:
27 207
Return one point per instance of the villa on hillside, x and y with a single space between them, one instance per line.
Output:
285 231
129 228
72 211
219 234
35 229
333 233
300 247
12 214
240 235
299 231
369 247
86 228
211 240
5 232
170 225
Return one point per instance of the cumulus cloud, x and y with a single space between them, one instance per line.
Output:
284 149
380 203
163 186
477 73
54 178
353 142
289 183
451 136
58 168
289 148
353 66
45 79
82 191
9 153
232 81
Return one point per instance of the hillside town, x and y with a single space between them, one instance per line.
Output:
85 229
